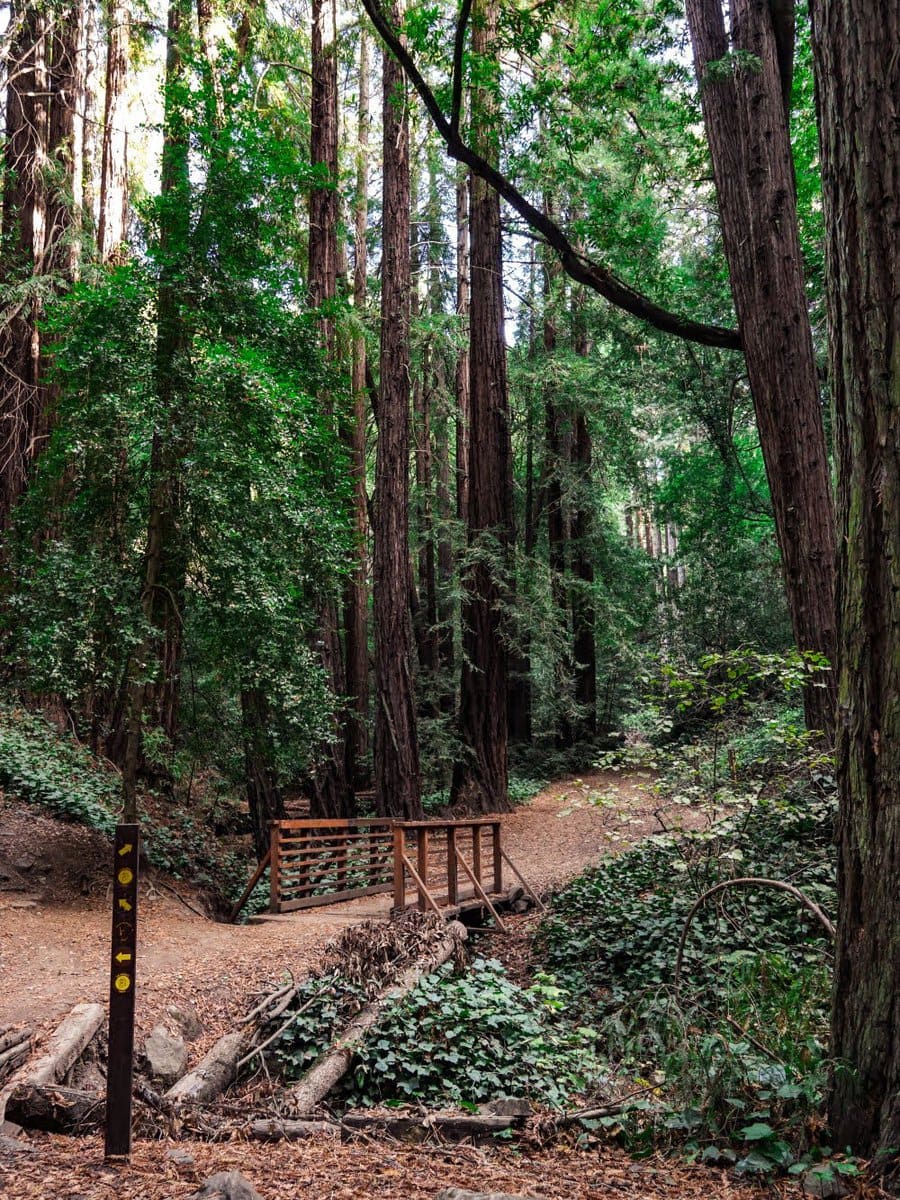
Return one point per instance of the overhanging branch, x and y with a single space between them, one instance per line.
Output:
580 268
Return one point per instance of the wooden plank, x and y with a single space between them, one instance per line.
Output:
422 865
463 822
452 871
476 852
423 890
498 858
254 880
275 867
524 882
482 893
380 889
399 869
317 823
122 976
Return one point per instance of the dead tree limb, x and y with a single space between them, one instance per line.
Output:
213 1073
746 882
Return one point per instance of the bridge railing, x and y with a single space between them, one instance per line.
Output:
315 862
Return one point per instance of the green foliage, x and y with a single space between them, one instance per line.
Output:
745 1036
44 767
459 1038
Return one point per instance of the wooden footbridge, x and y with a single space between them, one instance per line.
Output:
447 867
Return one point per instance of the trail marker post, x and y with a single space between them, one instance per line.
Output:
123 961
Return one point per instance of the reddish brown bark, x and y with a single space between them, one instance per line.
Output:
858 82
749 143
331 794
356 592
397 783
480 780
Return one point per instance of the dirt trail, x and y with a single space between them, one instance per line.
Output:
54 946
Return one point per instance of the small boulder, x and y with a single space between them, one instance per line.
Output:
186 1021
510 1107
227 1185
166 1054
181 1158
515 892
521 906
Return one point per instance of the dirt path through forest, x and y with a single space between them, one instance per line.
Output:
54 946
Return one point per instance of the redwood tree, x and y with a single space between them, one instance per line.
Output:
743 81
858 83
331 791
480 779
397 783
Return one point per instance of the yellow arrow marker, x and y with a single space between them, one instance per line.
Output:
125 876
126 849
122 983
123 904
123 956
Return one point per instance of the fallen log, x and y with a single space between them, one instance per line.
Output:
213 1073
335 1062
56 1109
282 1130
64 1047
446 1127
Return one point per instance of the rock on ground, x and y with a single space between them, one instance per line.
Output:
227 1185
166 1054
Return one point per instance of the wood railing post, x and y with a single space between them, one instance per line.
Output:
452 867
422 863
498 859
399 869
476 852
275 867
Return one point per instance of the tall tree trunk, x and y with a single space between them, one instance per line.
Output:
164 561
747 131
332 796
441 409
557 439
463 384
397 782
264 797
89 139
22 399
858 84
65 130
114 153
356 601
481 780
584 650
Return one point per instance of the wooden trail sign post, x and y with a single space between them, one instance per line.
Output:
123 959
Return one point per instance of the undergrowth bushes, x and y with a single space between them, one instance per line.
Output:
459 1038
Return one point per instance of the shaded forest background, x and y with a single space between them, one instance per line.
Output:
203 426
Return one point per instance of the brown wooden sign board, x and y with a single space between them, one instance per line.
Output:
122 975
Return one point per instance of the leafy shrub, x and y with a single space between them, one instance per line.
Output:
745 1036
458 1038
45 767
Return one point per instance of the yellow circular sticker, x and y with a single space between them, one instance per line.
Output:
122 983
125 876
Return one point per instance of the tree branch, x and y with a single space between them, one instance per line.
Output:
459 46
583 270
